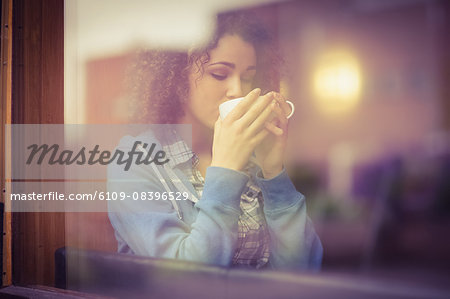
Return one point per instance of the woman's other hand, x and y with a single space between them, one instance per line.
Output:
270 152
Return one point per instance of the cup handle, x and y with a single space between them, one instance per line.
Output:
292 109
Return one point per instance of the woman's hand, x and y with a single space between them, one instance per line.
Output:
244 128
270 152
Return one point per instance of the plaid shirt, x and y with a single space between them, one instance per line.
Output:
253 237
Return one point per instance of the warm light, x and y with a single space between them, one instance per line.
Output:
337 82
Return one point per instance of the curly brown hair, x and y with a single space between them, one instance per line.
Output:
159 78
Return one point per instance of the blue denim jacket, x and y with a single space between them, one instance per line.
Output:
207 232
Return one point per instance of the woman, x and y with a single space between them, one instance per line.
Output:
242 210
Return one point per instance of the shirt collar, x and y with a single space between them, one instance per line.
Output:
177 149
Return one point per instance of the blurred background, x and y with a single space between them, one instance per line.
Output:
369 142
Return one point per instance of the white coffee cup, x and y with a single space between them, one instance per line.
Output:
227 106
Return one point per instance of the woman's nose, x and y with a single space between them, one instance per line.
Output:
234 88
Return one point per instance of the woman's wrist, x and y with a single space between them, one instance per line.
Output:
226 164
272 173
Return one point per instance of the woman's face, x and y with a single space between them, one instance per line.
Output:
227 75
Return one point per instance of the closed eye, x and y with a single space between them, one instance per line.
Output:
219 77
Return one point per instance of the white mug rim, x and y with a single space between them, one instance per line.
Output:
241 98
